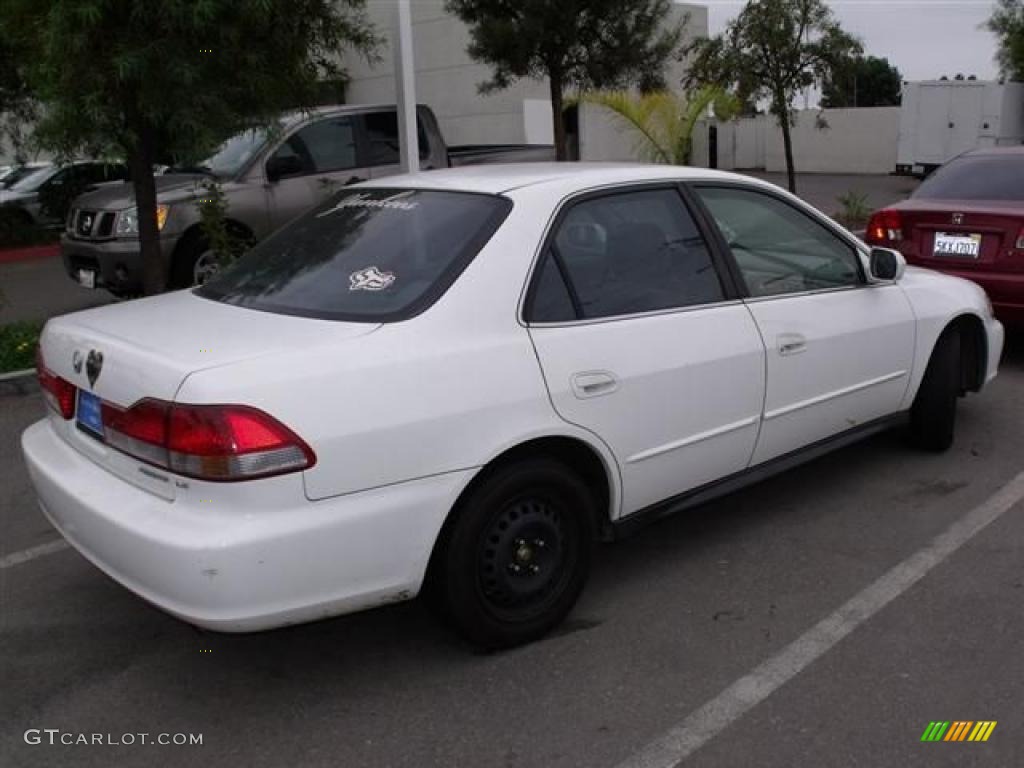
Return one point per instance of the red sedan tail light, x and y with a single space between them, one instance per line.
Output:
59 393
207 442
885 226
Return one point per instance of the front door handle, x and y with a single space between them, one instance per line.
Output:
791 343
594 383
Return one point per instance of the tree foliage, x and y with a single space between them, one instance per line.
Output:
663 122
862 82
151 80
774 49
581 44
1007 23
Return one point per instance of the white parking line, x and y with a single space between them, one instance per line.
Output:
16 558
702 725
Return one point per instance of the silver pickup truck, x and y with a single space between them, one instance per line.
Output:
268 178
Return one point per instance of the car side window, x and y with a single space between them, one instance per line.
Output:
622 254
382 137
291 158
331 144
778 248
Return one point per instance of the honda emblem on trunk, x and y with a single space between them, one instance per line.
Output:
93 365
958 218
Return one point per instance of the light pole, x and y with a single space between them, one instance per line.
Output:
405 89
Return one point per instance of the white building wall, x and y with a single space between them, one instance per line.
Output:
447 79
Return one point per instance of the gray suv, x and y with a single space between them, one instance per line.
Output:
267 180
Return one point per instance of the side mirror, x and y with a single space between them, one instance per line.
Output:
280 166
887 265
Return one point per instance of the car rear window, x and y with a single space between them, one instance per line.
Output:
373 255
976 177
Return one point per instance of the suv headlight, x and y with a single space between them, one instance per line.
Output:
128 220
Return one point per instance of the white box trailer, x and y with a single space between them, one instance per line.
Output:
939 119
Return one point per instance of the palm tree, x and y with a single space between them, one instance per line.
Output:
663 122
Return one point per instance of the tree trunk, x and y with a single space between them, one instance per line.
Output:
782 114
141 156
555 81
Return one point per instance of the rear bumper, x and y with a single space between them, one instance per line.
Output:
117 263
237 570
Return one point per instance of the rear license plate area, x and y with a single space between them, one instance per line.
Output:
956 246
89 414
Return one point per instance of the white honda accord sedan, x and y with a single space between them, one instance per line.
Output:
458 381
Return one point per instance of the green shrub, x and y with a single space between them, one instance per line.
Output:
18 343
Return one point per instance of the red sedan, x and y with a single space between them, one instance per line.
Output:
967 219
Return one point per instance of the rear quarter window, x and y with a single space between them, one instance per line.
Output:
372 255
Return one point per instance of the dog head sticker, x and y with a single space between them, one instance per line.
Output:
370 279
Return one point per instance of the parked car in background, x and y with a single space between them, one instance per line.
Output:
967 219
16 173
458 380
42 194
268 178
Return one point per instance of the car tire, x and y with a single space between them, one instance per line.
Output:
933 414
514 560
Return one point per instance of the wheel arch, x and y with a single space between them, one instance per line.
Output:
587 460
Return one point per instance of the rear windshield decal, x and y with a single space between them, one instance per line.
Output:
364 200
370 279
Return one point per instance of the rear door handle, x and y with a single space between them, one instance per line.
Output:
594 383
791 343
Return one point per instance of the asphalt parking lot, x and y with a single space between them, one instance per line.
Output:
698 628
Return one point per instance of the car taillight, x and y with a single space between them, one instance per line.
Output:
885 226
59 393
208 442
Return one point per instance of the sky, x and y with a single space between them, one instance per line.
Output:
925 39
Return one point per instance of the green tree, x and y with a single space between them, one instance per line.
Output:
774 49
582 44
1007 23
663 122
862 81
17 107
150 80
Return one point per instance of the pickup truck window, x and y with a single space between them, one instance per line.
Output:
382 135
331 144
369 255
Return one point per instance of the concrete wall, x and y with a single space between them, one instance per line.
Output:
447 79
847 141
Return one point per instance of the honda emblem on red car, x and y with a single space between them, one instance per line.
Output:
958 218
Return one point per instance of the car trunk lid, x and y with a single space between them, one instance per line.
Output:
997 226
145 349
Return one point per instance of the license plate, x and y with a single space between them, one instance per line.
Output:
87 278
962 246
89 412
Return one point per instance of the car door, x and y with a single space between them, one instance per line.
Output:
839 350
642 341
311 164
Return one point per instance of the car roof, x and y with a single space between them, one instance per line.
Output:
503 177
1017 149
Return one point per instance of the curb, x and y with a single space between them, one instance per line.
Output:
14 375
29 253
18 382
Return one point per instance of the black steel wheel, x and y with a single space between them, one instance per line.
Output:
517 555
